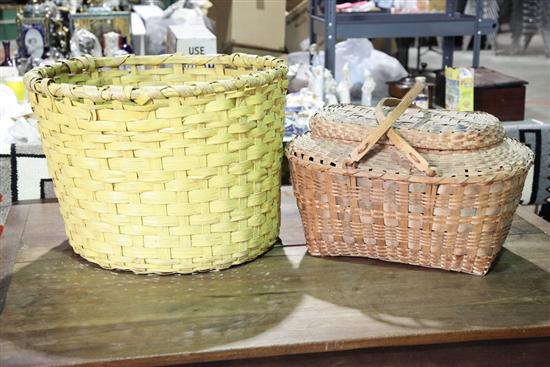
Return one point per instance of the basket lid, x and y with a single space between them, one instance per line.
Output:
449 144
496 163
425 129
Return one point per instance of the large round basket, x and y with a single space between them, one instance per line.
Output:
164 164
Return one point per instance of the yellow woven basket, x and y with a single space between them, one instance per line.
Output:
164 164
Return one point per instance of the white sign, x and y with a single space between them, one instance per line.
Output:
190 40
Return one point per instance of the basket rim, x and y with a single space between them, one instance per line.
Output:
293 154
40 79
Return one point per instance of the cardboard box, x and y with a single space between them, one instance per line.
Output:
459 89
258 24
219 13
297 26
190 40
259 51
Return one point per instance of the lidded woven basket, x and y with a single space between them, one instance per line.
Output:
437 189
164 164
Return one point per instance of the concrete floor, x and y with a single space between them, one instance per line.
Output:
533 66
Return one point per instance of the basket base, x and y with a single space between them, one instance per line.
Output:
197 268
482 264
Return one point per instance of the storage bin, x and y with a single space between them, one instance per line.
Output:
439 191
164 164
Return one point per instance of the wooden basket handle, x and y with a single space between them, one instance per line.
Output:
384 128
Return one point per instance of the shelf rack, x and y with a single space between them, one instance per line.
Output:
385 25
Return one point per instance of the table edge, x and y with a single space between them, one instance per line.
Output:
317 347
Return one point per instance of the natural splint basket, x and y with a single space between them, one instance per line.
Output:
439 191
164 164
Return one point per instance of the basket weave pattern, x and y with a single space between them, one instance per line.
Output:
164 164
439 135
454 215
452 227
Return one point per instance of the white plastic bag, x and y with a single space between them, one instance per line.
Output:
15 125
354 51
25 131
9 106
361 55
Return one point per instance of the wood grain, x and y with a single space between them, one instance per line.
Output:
61 310
502 353
487 78
506 103
10 241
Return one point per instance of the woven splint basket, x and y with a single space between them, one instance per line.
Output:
164 164
439 190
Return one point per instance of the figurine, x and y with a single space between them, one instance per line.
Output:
344 86
366 90
85 42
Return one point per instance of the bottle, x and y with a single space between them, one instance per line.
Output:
125 45
7 57
423 99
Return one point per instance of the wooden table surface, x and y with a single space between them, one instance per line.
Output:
57 309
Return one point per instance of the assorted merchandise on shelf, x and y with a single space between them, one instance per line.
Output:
300 107
49 30
43 33
356 7
394 6
414 6
189 19
361 76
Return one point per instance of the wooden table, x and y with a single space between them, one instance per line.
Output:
287 308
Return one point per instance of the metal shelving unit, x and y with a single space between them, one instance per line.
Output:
385 25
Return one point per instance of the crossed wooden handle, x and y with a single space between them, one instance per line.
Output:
385 128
